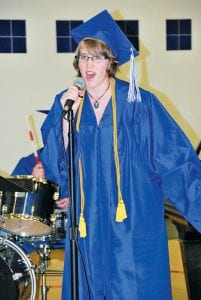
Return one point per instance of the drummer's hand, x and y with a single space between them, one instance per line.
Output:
38 171
63 203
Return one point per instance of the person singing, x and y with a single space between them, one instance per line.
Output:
130 155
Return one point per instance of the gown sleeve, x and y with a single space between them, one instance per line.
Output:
24 166
175 161
54 157
52 118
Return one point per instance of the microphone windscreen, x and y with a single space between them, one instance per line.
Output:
79 83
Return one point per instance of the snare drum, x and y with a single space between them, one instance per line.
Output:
27 214
17 276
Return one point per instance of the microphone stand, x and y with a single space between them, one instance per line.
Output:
198 149
73 225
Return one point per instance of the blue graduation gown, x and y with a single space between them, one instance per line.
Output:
128 260
26 164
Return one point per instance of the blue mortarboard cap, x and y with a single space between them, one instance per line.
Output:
104 28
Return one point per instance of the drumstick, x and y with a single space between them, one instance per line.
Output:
32 138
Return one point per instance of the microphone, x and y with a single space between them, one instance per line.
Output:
78 83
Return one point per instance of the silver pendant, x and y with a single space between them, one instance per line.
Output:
96 104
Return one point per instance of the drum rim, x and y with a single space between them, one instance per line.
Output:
6 242
25 217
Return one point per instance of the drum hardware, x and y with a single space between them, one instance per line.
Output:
4 210
32 210
59 224
3 213
56 196
1 207
1 195
15 200
44 253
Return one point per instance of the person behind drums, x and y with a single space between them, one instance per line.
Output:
130 155
28 166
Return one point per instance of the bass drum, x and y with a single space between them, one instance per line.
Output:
17 277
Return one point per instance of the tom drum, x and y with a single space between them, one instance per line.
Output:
27 213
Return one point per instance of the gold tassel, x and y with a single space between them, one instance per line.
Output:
121 211
82 226
82 223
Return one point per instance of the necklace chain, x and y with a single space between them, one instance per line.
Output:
96 103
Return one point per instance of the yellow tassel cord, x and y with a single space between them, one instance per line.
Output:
82 223
121 209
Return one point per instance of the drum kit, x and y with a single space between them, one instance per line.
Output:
28 218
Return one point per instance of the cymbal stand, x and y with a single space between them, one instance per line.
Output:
44 253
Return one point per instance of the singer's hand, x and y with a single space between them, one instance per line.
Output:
38 171
74 94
